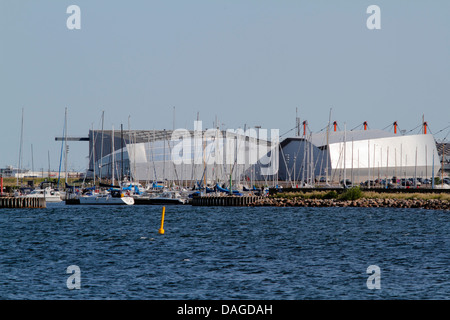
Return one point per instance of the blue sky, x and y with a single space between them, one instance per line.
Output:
246 62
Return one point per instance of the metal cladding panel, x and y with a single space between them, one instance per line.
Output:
137 153
406 153
296 161
320 139
211 159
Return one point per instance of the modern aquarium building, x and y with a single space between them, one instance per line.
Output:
180 156
357 156
250 157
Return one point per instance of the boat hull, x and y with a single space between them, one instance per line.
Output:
53 199
157 201
47 199
101 200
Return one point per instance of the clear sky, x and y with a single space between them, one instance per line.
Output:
248 62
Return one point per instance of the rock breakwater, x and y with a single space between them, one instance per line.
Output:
430 204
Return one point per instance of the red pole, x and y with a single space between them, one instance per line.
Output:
425 128
395 127
304 128
335 124
365 125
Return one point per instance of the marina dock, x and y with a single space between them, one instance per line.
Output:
22 202
225 201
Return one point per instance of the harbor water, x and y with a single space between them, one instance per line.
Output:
224 253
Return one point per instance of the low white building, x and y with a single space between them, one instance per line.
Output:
369 155
359 156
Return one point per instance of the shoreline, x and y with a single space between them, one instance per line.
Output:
428 204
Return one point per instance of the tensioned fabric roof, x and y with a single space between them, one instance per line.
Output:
320 139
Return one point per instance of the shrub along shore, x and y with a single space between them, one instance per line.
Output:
355 197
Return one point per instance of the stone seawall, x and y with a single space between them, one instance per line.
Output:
431 204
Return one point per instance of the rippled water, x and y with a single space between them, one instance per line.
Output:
224 253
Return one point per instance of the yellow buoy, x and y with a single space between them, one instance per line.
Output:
161 230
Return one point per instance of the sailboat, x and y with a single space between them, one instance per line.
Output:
234 192
48 193
167 197
110 197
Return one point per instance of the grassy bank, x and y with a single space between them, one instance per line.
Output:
356 193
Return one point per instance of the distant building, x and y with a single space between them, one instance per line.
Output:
147 155
356 155
443 148
11 172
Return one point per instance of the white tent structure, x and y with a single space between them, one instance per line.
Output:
358 156
375 155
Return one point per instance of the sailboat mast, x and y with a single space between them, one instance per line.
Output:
432 174
19 166
373 171
368 164
61 154
415 170
48 158
153 159
328 146
443 158
345 154
113 158
93 153
308 163
121 152
148 161
173 122
134 156
66 149
387 166
101 149
352 177
32 162
164 156
312 160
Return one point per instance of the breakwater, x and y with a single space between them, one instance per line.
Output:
431 204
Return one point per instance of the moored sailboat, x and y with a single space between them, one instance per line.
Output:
112 197
48 193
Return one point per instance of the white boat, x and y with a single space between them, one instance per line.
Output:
49 194
110 198
442 186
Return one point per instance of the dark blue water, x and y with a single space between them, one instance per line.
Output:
224 253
